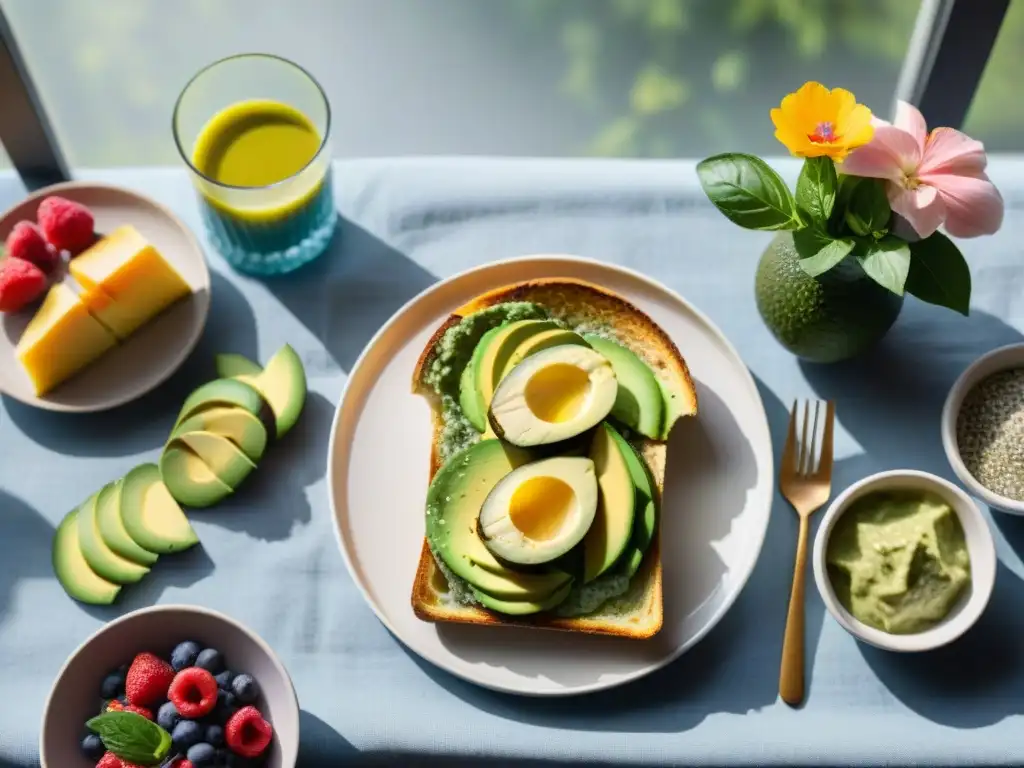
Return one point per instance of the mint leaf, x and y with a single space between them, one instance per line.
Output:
132 737
748 192
867 210
818 251
816 188
939 274
887 262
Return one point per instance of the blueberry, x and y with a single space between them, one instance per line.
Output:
92 747
224 679
167 716
113 685
226 706
185 734
123 699
201 754
184 655
215 735
245 689
210 660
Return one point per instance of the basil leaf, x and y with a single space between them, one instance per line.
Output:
818 252
868 209
887 262
132 737
939 274
748 192
816 188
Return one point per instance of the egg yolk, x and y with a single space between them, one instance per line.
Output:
540 506
557 393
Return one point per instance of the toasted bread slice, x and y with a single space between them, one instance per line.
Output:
639 612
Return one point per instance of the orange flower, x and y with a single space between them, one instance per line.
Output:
817 122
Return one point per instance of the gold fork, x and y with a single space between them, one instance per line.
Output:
806 483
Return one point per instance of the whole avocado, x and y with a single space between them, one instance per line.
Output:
832 317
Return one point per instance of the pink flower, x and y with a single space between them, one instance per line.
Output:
933 178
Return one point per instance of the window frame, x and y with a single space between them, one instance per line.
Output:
949 49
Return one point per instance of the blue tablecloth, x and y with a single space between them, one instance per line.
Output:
270 558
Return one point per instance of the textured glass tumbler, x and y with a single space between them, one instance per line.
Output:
277 227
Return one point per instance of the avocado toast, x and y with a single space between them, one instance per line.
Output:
552 401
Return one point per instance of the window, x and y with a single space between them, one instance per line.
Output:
517 77
997 112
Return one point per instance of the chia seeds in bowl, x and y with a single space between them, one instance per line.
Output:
990 433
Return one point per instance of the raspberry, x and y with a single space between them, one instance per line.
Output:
115 706
27 243
68 225
148 679
247 733
193 692
181 762
21 283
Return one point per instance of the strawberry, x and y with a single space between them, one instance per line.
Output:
21 283
26 242
115 706
68 225
110 760
181 762
247 733
148 679
193 692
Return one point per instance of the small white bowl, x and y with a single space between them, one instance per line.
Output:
74 697
980 548
997 360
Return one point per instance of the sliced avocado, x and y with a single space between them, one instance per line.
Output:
453 503
237 425
555 337
223 457
74 574
610 533
283 385
494 351
639 404
151 515
675 408
230 365
471 399
101 558
108 515
645 517
221 392
522 607
539 511
188 478
504 346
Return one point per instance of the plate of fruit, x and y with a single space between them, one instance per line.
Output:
175 687
103 294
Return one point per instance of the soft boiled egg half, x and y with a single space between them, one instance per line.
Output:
553 395
539 511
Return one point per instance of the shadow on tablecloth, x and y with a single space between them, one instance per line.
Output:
143 424
346 295
890 401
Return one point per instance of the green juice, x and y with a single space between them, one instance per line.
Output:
269 206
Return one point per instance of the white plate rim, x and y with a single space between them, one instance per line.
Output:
710 326
198 328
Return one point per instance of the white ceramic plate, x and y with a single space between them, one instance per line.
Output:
715 513
153 352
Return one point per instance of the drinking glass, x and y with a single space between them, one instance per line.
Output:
279 226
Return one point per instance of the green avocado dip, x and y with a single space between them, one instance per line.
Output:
898 560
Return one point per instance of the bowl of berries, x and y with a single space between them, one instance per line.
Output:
173 686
